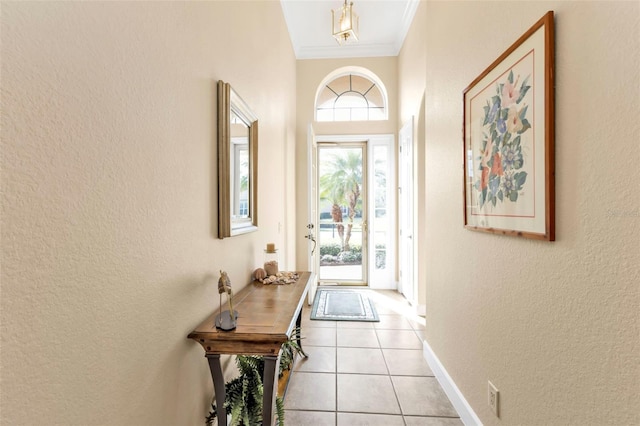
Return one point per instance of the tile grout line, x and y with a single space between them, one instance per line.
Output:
414 326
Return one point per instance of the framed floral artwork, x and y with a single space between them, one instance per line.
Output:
509 140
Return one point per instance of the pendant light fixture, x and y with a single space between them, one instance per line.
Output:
345 23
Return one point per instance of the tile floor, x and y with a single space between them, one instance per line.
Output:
366 373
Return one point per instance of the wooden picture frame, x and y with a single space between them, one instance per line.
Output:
237 164
508 131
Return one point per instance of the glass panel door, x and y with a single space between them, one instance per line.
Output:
380 224
382 212
342 207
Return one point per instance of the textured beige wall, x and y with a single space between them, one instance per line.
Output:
554 326
310 73
109 253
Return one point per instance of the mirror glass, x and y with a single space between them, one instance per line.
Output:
237 164
239 168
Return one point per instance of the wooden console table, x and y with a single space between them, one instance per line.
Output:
267 315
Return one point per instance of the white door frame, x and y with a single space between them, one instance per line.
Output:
381 279
408 284
312 225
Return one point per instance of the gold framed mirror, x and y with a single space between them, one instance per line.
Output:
237 164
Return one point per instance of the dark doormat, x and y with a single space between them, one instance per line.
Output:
343 305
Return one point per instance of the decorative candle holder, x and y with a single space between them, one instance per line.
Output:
271 260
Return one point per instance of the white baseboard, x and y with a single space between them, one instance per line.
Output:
421 310
467 415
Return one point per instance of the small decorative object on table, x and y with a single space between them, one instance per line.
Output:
271 259
282 278
260 274
226 320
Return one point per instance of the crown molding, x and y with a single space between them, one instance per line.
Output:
347 51
407 19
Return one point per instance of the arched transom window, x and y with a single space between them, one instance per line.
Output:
351 97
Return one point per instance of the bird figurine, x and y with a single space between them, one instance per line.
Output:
226 320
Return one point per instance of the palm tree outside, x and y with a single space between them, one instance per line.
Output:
340 185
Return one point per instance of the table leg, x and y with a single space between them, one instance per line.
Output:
218 387
269 389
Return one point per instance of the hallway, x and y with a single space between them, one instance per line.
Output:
366 373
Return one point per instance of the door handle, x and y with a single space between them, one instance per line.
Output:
311 237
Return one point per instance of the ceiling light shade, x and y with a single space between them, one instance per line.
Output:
345 23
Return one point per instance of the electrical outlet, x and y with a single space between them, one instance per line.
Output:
494 399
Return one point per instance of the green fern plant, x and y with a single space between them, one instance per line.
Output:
244 393
290 349
280 410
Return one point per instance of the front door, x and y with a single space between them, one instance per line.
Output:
342 213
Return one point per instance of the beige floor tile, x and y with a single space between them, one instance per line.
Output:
311 391
366 394
430 400
399 339
432 421
361 361
357 338
366 373
385 309
321 359
358 419
417 323
422 334
318 337
406 362
393 322
315 418
390 302
355 324
308 322
318 324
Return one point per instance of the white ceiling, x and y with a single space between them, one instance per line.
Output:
383 27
